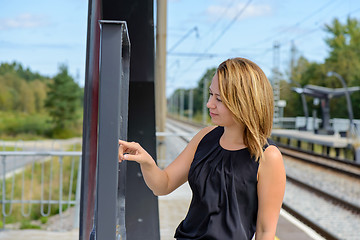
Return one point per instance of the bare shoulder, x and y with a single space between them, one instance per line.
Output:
197 138
273 160
206 130
272 154
202 133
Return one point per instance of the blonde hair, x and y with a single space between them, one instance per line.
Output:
247 93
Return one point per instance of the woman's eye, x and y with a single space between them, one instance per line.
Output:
217 99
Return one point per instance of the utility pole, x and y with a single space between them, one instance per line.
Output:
160 76
160 65
170 105
182 103
205 97
276 83
191 104
292 59
176 104
292 73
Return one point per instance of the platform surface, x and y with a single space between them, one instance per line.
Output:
327 140
172 209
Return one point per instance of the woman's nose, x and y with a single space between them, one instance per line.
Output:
210 103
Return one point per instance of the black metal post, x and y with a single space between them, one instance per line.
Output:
90 123
113 114
347 95
142 214
142 219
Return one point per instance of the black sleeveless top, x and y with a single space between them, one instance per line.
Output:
224 185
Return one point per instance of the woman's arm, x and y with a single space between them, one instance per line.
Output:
271 188
162 182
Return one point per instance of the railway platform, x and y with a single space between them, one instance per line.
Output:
172 209
327 145
335 141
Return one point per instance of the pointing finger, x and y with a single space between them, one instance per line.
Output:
132 157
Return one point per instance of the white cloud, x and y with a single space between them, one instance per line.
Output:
22 21
253 10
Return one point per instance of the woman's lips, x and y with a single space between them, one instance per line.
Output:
213 114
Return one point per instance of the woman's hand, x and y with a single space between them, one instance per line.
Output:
162 182
132 151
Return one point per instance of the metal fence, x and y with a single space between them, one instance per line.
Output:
41 184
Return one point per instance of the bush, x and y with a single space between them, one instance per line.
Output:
26 224
44 220
63 133
15 124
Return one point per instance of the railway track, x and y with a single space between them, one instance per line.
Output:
322 193
345 167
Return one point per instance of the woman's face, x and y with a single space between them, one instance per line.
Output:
219 113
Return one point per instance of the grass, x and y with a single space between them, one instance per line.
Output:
30 180
9 148
26 224
19 125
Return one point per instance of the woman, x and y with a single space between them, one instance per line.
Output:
237 178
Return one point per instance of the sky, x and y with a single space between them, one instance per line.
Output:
201 34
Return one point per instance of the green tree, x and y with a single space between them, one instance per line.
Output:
27 98
17 69
6 102
22 95
39 90
197 93
21 90
62 100
344 58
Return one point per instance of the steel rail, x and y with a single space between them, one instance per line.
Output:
345 204
355 173
343 161
317 228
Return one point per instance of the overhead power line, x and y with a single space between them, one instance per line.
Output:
183 38
225 29
217 21
228 26
221 34
268 39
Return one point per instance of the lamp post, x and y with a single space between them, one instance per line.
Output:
300 91
347 95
